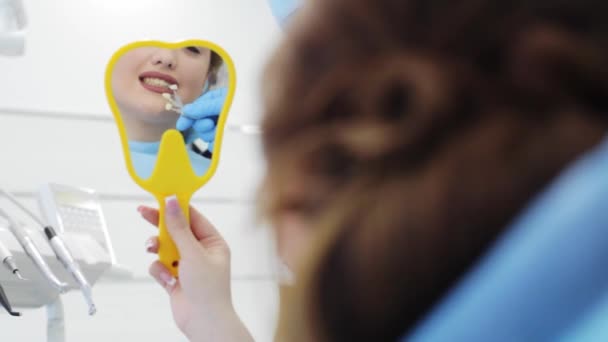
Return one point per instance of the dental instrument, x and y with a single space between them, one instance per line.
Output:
6 257
6 304
62 254
66 258
201 147
175 102
32 251
16 202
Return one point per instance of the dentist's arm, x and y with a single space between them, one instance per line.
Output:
201 299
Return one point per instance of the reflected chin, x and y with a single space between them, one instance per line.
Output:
157 115
149 112
154 105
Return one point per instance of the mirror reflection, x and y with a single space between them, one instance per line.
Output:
157 89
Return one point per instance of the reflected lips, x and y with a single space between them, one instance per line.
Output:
156 88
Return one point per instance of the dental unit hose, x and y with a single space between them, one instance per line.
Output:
32 251
62 254
6 257
66 258
5 303
16 202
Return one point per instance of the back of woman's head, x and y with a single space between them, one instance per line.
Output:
413 131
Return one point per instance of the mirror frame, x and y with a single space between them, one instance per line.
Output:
154 183
173 175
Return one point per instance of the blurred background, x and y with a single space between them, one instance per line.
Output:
55 126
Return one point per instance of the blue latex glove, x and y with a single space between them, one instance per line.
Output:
202 115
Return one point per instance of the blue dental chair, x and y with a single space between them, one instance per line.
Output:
546 279
282 10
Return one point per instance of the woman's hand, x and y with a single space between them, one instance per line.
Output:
200 299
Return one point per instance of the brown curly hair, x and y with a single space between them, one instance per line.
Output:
413 132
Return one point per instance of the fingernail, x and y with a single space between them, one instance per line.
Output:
149 244
140 209
168 279
173 208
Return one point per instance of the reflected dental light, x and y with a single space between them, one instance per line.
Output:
246 129
251 129
12 28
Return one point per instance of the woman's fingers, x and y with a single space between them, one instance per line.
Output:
204 231
149 214
152 245
200 228
179 229
160 273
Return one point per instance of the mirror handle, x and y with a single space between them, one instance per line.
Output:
168 253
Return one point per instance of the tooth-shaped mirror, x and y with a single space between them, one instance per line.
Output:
170 102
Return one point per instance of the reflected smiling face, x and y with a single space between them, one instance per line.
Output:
141 75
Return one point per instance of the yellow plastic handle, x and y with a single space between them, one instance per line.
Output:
168 254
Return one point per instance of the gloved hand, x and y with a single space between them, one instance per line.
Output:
202 115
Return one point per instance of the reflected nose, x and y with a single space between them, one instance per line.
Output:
164 58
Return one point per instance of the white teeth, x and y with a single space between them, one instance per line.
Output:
173 87
157 82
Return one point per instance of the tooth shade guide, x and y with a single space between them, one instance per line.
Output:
170 107
175 99
172 101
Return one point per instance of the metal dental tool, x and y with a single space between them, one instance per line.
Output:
63 255
5 303
32 251
66 258
6 257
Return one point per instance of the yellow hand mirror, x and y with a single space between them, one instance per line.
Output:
170 102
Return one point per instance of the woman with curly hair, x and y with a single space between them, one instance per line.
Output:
401 139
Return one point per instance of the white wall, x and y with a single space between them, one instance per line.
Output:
55 126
